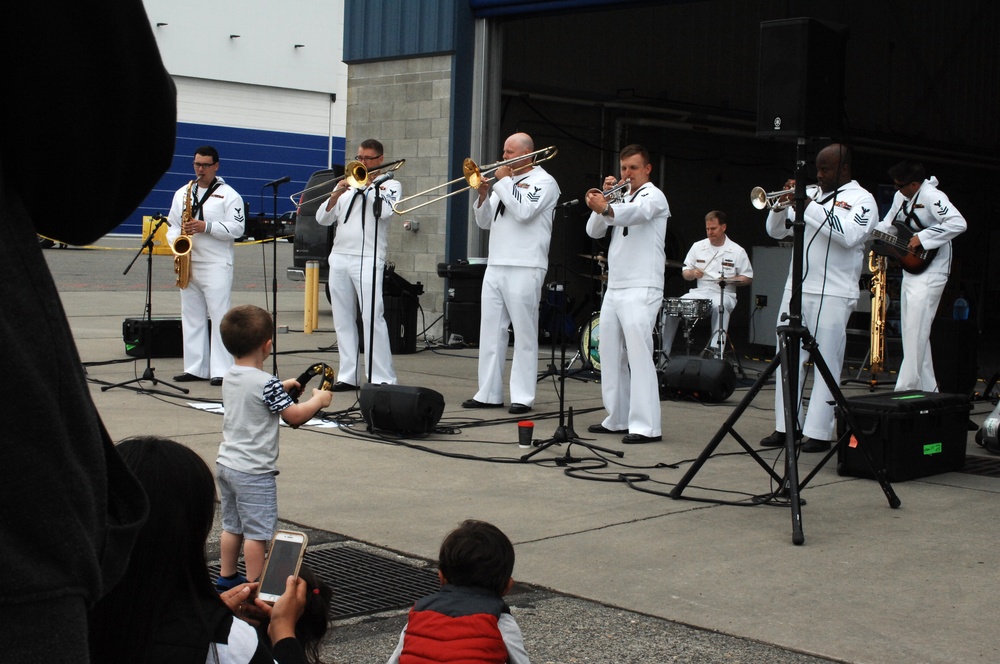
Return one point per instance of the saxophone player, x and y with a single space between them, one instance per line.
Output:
214 221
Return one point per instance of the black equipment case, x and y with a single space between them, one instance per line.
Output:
159 337
911 434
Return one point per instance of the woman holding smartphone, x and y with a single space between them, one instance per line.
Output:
166 608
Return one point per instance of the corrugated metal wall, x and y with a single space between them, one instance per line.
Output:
385 29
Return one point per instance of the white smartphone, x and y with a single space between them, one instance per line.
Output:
283 560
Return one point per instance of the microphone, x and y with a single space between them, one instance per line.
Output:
385 177
275 183
160 220
569 204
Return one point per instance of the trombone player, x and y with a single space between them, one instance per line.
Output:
357 259
518 213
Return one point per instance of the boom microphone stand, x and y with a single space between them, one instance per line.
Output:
790 338
148 314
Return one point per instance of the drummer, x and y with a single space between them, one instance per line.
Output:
714 262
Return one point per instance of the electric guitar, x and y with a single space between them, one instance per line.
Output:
895 247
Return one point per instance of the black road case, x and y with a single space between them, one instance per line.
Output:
911 434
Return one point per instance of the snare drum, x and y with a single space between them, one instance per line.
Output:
691 309
672 306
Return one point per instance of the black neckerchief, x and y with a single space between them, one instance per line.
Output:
357 192
198 208
909 216
501 208
632 200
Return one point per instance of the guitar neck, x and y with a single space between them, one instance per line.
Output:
902 244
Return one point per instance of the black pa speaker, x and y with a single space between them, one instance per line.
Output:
801 78
705 380
954 352
401 409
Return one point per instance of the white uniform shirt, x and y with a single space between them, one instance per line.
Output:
932 217
225 220
353 237
836 227
636 257
723 262
520 234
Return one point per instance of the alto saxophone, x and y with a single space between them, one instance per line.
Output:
880 303
182 244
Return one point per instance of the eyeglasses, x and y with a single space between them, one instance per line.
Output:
361 158
199 164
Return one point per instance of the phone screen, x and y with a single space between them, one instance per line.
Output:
282 562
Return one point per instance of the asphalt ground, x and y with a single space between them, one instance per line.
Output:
610 568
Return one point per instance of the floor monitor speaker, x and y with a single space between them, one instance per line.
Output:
801 78
703 379
401 409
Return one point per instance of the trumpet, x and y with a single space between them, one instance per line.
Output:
761 199
617 193
473 175
356 175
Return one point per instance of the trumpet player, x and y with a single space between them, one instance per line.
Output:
215 220
636 261
518 212
839 216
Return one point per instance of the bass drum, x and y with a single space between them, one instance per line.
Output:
590 337
590 341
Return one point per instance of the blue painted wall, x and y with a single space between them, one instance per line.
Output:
249 158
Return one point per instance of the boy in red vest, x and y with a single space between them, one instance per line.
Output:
467 620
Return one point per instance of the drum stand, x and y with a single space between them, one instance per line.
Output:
723 335
790 338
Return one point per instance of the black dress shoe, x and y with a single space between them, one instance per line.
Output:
815 445
187 378
216 382
472 403
639 439
341 386
518 409
777 439
600 428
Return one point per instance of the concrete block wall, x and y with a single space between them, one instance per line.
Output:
406 104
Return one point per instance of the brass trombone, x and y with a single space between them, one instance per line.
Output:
356 175
473 175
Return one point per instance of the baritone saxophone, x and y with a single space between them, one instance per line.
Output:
182 244
880 303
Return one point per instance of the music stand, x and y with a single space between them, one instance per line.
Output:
790 338
147 316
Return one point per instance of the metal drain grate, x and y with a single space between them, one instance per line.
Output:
981 465
364 582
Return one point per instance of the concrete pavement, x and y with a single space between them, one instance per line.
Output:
597 538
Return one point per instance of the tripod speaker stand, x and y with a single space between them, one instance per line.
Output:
790 338
148 374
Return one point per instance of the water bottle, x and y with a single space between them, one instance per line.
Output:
960 310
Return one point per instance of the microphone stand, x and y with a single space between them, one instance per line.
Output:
148 313
564 432
274 274
377 211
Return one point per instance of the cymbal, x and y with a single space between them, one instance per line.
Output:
600 258
674 264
